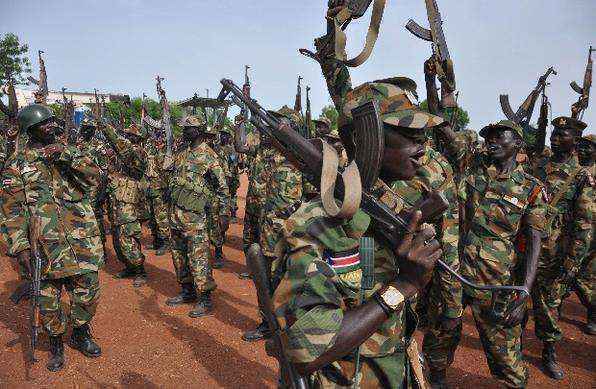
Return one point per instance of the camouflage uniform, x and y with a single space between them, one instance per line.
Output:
190 236
58 193
232 174
498 207
565 249
216 235
156 187
127 170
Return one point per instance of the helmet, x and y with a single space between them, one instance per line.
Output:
33 114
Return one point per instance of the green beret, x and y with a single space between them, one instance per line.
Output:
503 125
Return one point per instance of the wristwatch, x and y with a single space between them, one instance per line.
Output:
390 299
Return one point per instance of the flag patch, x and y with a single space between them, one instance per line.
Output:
344 262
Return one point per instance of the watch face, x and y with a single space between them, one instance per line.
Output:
393 297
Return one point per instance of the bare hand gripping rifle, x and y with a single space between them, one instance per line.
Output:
443 62
165 118
308 158
577 109
523 115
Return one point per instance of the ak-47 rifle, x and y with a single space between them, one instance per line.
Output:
165 118
308 158
523 115
442 59
240 132
298 100
308 120
260 275
41 95
36 263
578 109
68 117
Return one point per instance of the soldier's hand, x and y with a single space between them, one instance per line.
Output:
224 222
51 151
24 258
516 313
430 68
417 255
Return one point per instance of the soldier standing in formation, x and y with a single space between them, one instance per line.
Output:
57 181
196 177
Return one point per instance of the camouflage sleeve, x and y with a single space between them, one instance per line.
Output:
82 168
535 215
286 187
313 313
337 76
125 150
14 214
450 288
582 228
222 192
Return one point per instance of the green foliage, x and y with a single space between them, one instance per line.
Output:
57 108
463 119
330 113
14 63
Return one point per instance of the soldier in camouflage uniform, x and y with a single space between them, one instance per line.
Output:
196 178
233 172
128 167
584 283
156 188
57 182
569 225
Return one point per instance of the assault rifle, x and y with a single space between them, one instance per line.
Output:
442 59
577 109
165 118
309 125
308 158
34 236
41 95
523 115
240 132
298 100
68 117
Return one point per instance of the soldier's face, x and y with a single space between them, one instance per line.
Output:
563 141
401 157
586 152
190 133
502 145
45 131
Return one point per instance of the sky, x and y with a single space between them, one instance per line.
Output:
120 45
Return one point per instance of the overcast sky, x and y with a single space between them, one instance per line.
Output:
120 45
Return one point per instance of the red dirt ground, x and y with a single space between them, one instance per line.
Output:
148 344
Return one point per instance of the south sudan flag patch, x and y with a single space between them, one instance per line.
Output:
344 262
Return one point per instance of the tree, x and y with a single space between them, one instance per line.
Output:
463 119
330 113
14 65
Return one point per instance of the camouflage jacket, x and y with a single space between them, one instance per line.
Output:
131 159
197 178
155 175
58 192
436 174
570 221
313 295
13 211
259 177
284 188
499 207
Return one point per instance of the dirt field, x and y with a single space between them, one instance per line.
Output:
148 344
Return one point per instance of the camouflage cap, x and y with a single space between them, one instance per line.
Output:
503 125
569 123
323 125
135 130
590 138
198 122
288 113
333 135
397 102
87 122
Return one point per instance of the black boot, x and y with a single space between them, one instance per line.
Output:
437 379
56 361
127 273
549 362
81 340
204 306
140 278
218 263
261 332
188 295
591 325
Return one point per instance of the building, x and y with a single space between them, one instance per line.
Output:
80 99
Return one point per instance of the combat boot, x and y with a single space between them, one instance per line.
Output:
81 340
56 361
591 325
218 263
188 295
549 361
438 379
140 278
204 306
261 332
127 273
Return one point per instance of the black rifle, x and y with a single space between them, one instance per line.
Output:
525 111
577 109
260 276
165 117
443 62
298 100
36 262
41 95
68 117
308 159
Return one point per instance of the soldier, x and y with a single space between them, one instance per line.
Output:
569 225
56 182
233 171
129 167
282 199
156 188
194 170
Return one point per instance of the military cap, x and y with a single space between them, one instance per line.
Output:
135 130
503 125
333 135
566 122
397 103
323 121
288 113
590 138
198 122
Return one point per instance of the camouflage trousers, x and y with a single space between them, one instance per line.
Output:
216 235
270 234
501 345
233 185
190 250
159 221
547 296
83 292
126 234
584 286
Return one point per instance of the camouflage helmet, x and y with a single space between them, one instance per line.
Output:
33 114
397 103
503 125
135 130
197 122
324 121
565 122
